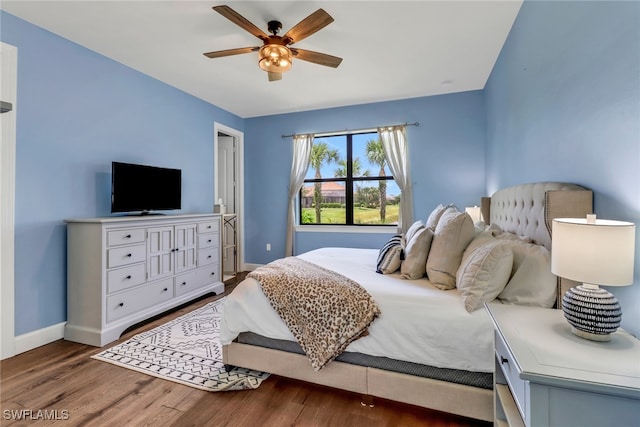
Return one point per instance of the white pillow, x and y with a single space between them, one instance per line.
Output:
412 230
415 254
531 281
436 214
484 273
452 236
480 239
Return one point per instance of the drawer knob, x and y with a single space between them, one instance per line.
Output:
213 273
121 304
208 226
128 277
128 236
503 360
165 289
209 256
129 255
209 241
183 283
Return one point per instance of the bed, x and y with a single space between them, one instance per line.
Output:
426 348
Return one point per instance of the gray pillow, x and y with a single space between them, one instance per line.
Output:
454 232
415 254
531 281
484 273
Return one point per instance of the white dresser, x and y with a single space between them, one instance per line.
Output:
123 270
546 376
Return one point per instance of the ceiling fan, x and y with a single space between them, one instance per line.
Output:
275 55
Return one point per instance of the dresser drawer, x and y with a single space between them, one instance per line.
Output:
208 256
208 240
126 255
124 237
209 227
126 277
195 279
512 374
131 302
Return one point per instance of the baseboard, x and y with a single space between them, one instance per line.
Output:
40 337
251 267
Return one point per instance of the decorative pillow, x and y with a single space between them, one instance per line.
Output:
531 281
480 239
484 274
390 256
452 236
498 233
495 228
436 214
415 254
413 229
510 236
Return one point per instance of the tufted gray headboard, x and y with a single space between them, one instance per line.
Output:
529 209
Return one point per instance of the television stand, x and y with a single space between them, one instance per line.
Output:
123 270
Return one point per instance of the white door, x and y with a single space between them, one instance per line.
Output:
8 93
227 193
227 172
228 147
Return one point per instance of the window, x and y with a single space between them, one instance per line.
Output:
349 183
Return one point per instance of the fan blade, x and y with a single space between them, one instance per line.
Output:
229 52
274 76
317 57
240 21
309 25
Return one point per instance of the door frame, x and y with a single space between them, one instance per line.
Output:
9 76
238 138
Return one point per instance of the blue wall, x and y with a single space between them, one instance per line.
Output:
446 151
563 103
78 111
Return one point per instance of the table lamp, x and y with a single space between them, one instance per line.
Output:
595 252
474 213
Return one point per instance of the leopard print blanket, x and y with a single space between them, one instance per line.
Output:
324 310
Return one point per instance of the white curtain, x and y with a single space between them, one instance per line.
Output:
301 154
394 142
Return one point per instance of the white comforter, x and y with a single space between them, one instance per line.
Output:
419 323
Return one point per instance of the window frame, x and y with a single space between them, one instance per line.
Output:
348 181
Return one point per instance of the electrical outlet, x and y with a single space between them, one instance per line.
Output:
268 246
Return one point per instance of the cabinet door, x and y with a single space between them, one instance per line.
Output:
160 245
185 247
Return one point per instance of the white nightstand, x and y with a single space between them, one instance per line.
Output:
546 376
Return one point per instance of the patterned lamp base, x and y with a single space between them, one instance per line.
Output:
592 312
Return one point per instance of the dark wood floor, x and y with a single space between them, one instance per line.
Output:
61 381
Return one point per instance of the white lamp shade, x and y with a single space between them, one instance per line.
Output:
598 252
474 213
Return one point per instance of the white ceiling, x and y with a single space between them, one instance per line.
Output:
391 49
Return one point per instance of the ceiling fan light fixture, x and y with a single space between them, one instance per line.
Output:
275 58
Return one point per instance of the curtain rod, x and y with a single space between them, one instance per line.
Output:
337 132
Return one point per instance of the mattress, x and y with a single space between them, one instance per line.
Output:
474 379
419 323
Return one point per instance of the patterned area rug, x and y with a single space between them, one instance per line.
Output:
186 350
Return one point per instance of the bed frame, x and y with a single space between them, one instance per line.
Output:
526 209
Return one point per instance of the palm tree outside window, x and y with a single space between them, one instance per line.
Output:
349 183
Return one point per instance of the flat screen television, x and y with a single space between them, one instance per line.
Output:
141 188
